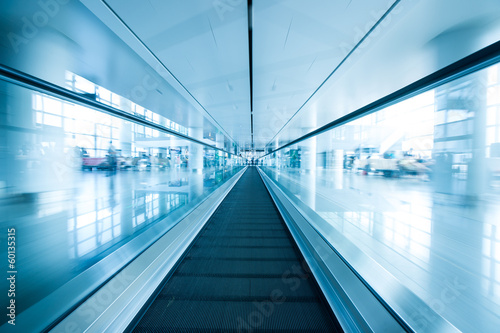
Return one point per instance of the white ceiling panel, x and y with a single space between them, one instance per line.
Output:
418 39
297 44
205 48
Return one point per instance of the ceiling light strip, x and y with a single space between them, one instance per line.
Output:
250 63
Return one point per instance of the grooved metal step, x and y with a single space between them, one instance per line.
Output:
242 274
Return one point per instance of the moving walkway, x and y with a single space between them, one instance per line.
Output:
243 273
244 260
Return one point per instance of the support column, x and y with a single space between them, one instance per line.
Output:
195 163
308 171
477 173
196 151
219 140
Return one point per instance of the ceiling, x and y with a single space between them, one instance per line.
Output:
206 53
205 45
308 62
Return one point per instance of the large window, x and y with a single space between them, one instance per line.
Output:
84 86
493 112
83 127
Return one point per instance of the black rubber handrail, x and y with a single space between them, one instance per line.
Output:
31 82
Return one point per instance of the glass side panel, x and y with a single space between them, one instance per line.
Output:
77 184
415 188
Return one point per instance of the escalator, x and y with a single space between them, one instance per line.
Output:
243 273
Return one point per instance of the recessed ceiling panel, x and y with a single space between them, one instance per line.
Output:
296 45
416 39
205 46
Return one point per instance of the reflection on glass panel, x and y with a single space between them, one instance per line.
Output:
78 184
415 187
82 85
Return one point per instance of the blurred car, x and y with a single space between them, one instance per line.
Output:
90 163
388 164
415 166
395 164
